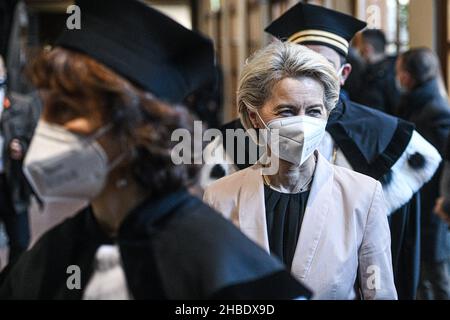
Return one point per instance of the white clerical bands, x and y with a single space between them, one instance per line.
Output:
320 36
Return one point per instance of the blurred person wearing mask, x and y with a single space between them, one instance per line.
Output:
19 117
357 137
378 86
423 104
105 136
290 91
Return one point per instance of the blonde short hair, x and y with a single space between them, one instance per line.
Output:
276 62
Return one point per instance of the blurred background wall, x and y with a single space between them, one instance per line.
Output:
236 26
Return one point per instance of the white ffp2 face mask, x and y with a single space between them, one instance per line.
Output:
61 165
294 139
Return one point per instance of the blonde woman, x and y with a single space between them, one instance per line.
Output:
326 223
143 236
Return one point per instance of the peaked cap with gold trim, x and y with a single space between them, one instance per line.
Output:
311 24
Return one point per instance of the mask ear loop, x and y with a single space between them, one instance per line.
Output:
265 125
100 132
117 161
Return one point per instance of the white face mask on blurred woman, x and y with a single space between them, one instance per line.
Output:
63 166
294 139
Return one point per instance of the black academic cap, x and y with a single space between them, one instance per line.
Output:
310 24
143 45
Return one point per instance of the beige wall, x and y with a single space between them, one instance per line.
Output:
345 6
422 23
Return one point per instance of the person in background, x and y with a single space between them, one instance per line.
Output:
110 109
442 208
357 137
19 116
423 104
378 87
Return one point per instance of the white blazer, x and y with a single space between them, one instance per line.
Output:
344 246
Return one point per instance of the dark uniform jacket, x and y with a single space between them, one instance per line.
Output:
172 248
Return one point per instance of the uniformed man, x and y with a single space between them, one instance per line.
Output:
361 138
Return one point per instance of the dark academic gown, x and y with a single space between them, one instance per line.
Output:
173 248
373 142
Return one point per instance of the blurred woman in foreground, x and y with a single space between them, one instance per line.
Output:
104 137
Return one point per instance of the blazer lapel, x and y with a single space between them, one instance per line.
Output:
252 209
314 219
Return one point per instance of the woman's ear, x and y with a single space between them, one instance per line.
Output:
345 73
254 119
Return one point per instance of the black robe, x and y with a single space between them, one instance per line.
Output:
173 248
372 142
